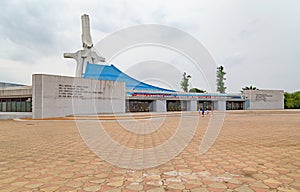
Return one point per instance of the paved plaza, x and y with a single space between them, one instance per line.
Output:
255 151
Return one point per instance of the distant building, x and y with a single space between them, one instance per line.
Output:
264 99
96 92
15 97
101 88
4 85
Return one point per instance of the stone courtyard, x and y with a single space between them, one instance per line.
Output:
255 151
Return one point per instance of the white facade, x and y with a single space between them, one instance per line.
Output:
60 96
264 99
192 105
160 106
220 105
15 92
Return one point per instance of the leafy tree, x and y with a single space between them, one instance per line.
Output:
249 88
185 82
292 100
220 80
196 90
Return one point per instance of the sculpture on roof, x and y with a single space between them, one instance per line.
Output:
87 55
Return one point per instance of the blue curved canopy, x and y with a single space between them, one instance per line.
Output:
112 73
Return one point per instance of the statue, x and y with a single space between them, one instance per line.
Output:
86 55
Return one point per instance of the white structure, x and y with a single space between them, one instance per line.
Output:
192 105
87 55
264 99
59 96
160 106
16 92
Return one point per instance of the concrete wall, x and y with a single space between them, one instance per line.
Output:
192 105
16 92
15 115
159 105
59 96
220 105
264 99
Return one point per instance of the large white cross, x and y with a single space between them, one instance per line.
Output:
86 55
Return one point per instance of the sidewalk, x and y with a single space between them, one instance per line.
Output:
252 153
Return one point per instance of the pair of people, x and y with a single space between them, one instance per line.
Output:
203 111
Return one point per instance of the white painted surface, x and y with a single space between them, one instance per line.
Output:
160 106
14 115
60 96
87 55
15 92
192 105
86 33
265 99
221 105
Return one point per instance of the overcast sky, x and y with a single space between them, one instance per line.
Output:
257 41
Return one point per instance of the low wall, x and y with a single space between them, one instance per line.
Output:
60 96
14 115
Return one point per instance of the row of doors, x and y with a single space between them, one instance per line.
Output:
139 105
147 105
235 105
16 105
177 105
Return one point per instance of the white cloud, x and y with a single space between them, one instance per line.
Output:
257 41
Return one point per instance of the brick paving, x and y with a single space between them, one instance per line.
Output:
255 151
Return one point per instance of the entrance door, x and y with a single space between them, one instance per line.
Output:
234 105
204 104
176 105
139 106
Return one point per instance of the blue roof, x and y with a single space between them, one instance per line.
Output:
112 73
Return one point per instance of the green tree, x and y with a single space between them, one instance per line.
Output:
249 88
220 80
185 82
196 90
292 100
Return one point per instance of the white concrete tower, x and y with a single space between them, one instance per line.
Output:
87 55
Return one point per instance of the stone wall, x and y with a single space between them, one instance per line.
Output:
60 96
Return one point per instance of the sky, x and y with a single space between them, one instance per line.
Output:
257 41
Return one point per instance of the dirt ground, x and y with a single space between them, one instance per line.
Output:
255 151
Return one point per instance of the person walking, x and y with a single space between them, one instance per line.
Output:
202 111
